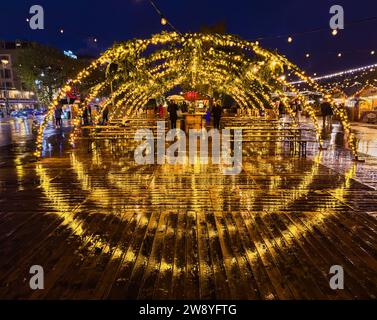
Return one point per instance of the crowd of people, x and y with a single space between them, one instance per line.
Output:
214 111
87 117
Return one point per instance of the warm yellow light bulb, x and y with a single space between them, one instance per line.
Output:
163 21
290 39
334 32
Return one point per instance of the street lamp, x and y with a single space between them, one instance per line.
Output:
4 62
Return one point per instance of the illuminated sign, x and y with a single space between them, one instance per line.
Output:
70 54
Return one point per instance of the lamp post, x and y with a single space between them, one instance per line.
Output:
4 62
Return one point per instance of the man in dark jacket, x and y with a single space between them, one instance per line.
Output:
217 111
327 113
105 115
172 109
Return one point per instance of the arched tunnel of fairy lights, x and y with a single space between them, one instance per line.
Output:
212 64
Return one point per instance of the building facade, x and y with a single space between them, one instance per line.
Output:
12 93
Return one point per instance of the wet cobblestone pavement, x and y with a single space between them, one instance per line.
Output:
103 227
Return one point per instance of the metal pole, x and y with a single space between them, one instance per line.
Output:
5 91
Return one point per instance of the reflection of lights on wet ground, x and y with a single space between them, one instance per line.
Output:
20 172
91 195
101 195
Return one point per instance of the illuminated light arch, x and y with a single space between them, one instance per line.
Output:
228 65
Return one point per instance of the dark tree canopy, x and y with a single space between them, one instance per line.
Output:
45 69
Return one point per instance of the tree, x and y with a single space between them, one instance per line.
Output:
45 69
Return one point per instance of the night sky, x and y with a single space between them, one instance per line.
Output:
116 20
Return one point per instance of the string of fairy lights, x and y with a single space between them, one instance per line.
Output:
225 63
342 73
347 84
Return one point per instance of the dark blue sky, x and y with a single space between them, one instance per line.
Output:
115 20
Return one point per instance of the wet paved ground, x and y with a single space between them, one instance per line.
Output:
103 227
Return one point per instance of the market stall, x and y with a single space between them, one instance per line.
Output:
197 106
366 104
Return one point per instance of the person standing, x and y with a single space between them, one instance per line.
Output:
208 116
172 109
105 115
326 112
90 114
85 116
217 111
58 116
161 111
298 110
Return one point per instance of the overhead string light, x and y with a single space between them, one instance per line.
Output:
334 32
164 21
342 73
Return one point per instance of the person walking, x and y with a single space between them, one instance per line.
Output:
217 111
58 116
172 109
